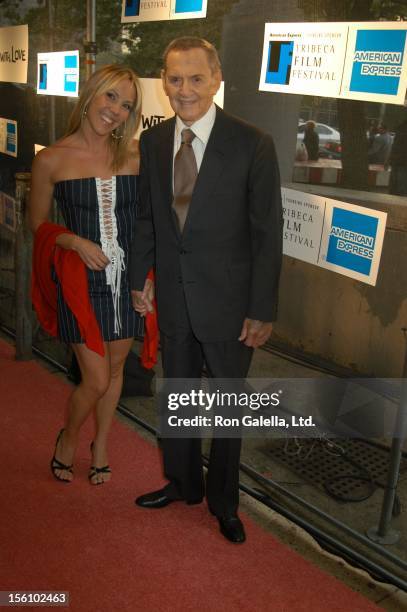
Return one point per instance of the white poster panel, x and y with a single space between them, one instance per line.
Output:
8 215
8 137
303 58
341 237
58 73
156 106
14 54
360 61
376 62
303 217
162 10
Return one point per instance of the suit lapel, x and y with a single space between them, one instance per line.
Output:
165 150
165 153
212 164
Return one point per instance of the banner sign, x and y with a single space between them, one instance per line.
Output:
375 64
359 61
8 211
156 106
162 10
303 58
58 73
8 137
14 54
341 237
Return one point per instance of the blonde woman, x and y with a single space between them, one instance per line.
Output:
92 175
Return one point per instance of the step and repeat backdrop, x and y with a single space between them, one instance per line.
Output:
358 61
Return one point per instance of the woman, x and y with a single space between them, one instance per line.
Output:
91 173
311 141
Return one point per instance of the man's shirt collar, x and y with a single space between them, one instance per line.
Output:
201 128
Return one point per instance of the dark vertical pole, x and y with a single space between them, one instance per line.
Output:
90 42
22 264
51 99
383 534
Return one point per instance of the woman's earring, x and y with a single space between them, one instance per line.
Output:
117 136
84 112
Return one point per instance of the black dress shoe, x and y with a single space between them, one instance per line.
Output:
232 528
160 499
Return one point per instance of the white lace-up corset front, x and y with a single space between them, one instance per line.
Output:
106 192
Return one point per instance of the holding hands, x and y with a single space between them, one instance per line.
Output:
143 300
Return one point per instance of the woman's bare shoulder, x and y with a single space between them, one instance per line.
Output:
45 160
56 157
133 160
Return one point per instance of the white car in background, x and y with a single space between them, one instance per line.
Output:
329 140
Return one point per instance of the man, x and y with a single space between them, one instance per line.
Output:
210 224
380 148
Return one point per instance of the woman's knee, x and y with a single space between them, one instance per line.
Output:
96 384
116 370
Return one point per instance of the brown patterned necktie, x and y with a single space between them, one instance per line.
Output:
185 173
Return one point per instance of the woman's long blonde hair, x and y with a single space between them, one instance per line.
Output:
102 80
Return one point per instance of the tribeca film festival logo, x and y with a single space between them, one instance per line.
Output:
279 63
132 7
377 61
352 240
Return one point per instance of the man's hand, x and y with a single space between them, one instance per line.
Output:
143 300
255 333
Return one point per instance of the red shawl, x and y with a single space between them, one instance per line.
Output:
72 275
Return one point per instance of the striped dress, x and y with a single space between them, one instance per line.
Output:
104 212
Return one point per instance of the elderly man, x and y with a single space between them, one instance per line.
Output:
210 224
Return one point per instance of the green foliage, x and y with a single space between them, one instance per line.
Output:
145 42
358 10
389 9
138 44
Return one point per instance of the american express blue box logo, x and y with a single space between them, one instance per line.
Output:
377 61
188 6
352 240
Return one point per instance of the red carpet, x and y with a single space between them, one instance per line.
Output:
109 554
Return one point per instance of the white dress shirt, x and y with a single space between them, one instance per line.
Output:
202 130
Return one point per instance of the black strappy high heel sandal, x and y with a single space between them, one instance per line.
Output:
58 465
94 471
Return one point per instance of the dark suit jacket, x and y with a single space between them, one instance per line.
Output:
228 259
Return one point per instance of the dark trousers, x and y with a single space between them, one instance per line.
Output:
183 357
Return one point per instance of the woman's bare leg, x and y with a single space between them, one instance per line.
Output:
95 371
106 406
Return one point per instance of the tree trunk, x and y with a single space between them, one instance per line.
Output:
351 113
351 117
